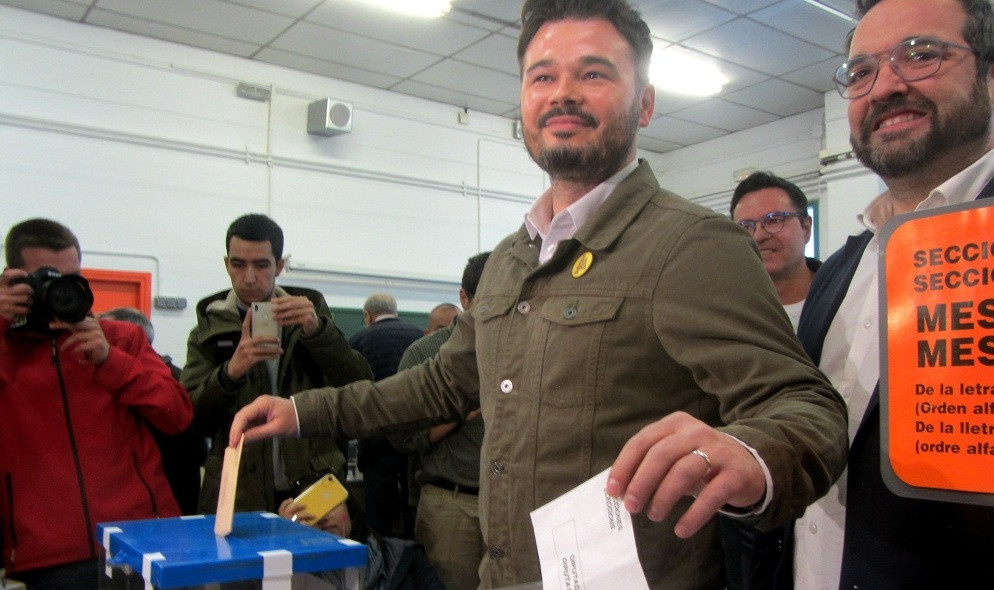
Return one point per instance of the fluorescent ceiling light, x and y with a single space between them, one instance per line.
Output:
686 74
831 10
424 8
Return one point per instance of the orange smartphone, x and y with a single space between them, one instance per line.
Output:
321 497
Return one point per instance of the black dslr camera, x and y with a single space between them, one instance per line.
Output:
57 297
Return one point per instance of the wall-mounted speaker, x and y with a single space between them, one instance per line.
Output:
329 116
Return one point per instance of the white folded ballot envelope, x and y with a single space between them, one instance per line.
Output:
585 541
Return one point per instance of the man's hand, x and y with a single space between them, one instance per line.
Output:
251 350
87 341
15 300
659 465
296 310
265 417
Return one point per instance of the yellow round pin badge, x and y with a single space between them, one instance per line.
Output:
582 264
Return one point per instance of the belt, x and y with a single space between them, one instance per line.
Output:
453 487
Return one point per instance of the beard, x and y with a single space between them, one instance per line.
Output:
967 121
592 163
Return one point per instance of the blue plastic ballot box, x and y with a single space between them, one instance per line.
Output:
184 552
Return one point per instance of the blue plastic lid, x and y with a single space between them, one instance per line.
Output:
191 554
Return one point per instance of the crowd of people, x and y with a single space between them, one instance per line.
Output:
728 381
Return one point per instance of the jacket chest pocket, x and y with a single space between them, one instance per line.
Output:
574 346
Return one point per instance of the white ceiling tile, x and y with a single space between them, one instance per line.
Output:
477 103
669 102
678 19
843 6
725 115
758 47
327 68
497 52
743 6
778 97
208 16
62 9
680 131
362 52
659 146
819 27
801 47
817 77
292 8
503 10
440 36
473 80
736 76
171 33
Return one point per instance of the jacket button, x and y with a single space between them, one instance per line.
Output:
569 313
497 469
524 307
506 386
497 552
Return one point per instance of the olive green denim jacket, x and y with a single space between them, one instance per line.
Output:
672 311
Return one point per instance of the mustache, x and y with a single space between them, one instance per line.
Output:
878 110
568 111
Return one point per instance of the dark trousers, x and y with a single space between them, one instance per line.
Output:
82 575
755 559
385 490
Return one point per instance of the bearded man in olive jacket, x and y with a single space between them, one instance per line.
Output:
606 333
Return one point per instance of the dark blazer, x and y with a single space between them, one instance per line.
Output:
892 542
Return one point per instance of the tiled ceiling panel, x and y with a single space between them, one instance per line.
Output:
778 55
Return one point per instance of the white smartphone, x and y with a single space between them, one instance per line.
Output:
263 322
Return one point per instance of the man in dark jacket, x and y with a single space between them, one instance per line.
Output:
918 85
227 367
384 468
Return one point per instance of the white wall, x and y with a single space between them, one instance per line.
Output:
144 149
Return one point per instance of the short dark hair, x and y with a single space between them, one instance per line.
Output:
978 30
619 13
256 227
472 273
37 233
760 180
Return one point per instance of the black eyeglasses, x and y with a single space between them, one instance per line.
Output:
912 60
772 222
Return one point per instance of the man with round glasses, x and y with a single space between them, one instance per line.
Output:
919 87
775 211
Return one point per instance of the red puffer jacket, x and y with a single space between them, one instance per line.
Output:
80 453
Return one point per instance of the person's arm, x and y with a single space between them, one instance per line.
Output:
132 371
716 312
339 363
214 388
443 390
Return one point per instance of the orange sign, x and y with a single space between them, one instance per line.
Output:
937 371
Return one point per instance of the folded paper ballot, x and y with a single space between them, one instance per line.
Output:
226 495
585 541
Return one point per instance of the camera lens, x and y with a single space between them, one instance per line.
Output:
68 298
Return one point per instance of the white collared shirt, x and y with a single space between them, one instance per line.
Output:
851 360
552 230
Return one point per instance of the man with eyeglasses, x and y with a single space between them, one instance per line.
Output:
919 87
775 212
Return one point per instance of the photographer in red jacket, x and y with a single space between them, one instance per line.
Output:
75 396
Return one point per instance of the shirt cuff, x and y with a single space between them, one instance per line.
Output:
296 416
758 508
